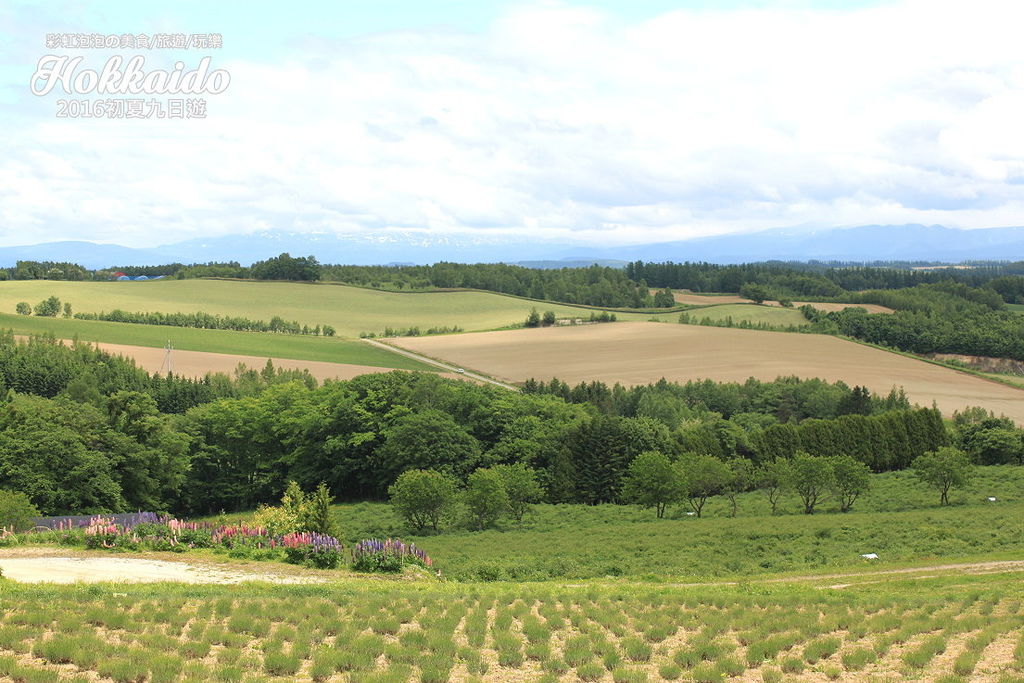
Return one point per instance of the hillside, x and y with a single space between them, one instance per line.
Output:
350 310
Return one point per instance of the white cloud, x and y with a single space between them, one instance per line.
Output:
559 121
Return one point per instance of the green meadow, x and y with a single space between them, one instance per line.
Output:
265 345
350 310
898 519
752 313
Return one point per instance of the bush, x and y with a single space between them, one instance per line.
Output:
48 308
23 308
16 510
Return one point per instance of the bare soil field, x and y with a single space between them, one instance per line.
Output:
639 353
691 299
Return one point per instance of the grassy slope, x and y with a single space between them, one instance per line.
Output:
899 519
753 313
215 341
1016 308
351 310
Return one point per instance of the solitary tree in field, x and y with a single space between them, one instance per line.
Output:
652 481
23 308
741 478
548 319
810 477
943 469
756 293
705 476
422 497
850 479
533 319
771 477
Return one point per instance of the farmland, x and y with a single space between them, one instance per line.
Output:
692 299
910 629
249 344
350 310
751 313
640 353
199 363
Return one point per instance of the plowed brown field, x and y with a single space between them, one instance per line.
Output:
639 353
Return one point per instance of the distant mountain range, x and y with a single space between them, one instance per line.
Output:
865 243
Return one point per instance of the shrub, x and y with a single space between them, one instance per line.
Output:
312 549
23 308
48 307
16 510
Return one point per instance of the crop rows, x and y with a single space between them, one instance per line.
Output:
524 635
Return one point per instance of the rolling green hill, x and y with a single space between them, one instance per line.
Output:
770 315
350 310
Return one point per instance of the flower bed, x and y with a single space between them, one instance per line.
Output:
174 535
148 531
375 555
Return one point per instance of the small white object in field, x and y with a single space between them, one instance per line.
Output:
870 556
690 514
459 370
991 499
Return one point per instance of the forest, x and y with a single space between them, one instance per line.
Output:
128 440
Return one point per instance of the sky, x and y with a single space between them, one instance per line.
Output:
602 123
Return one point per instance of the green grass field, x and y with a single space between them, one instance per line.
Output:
752 313
386 632
215 341
1016 308
898 519
351 310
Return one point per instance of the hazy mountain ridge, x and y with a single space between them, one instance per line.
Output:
862 243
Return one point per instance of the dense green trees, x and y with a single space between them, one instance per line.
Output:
286 267
593 286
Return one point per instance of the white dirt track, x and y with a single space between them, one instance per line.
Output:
42 569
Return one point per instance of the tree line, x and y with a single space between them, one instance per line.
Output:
210 321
